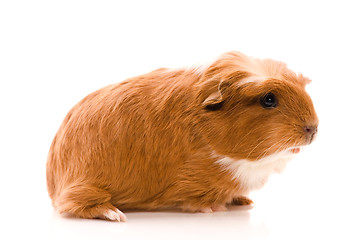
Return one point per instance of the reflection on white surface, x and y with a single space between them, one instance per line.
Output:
162 225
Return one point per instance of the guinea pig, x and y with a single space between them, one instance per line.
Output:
196 139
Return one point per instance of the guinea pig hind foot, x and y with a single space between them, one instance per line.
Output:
87 201
104 211
112 214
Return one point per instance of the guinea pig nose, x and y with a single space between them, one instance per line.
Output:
310 130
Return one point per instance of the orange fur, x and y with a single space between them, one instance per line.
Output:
153 141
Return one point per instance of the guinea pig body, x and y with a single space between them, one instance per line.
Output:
191 139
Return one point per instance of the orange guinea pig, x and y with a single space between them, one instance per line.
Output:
196 139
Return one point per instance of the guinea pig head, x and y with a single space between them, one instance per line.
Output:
250 115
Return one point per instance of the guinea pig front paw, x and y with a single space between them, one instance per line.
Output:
211 209
242 201
214 208
204 210
219 208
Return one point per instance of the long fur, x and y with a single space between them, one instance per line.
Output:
155 141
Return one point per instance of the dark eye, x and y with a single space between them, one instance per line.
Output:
269 101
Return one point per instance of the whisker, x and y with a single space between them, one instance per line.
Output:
257 146
278 149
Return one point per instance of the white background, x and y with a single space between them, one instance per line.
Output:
53 53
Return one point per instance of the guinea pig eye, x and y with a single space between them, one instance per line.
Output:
269 101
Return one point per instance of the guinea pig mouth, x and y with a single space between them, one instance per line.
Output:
295 150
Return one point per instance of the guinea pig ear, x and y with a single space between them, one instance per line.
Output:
304 80
215 100
297 79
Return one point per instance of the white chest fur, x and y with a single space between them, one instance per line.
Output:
252 175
